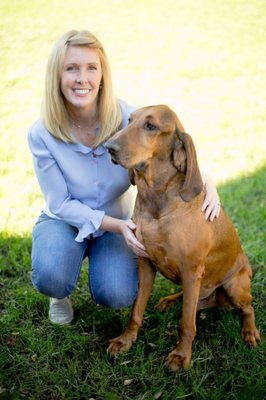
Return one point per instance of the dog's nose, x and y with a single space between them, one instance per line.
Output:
112 148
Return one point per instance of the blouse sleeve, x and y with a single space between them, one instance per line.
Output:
57 196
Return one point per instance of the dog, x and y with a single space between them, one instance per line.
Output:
205 257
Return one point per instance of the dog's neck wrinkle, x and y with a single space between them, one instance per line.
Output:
162 179
155 193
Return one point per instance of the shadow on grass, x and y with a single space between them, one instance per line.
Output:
42 361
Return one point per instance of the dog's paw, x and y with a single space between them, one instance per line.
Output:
120 344
164 304
168 302
177 360
251 336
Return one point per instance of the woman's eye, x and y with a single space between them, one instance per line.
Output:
71 68
150 127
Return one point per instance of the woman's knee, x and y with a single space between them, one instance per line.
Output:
56 257
50 282
115 297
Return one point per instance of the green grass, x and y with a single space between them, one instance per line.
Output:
207 60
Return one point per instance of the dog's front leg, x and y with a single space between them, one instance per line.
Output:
180 357
146 274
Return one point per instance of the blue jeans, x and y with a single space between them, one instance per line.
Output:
57 260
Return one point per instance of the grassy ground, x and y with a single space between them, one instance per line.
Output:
207 60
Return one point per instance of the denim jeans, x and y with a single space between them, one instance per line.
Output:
57 259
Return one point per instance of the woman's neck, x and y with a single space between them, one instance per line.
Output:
84 119
83 124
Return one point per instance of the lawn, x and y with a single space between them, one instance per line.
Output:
207 60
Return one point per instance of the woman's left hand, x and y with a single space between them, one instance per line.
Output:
211 205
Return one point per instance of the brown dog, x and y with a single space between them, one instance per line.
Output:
206 257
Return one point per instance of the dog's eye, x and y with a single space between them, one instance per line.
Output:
129 120
150 127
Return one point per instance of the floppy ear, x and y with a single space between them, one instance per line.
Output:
187 163
179 156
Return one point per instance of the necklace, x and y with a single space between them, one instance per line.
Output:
88 132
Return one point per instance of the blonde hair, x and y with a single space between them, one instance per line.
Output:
54 113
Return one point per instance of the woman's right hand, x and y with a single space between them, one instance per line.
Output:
127 229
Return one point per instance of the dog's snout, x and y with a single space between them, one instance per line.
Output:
112 149
111 146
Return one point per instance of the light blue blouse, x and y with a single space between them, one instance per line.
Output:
80 185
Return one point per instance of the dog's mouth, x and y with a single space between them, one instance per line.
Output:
113 155
124 160
113 150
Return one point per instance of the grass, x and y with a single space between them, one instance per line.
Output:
207 60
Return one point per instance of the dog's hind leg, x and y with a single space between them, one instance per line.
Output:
218 298
169 301
238 290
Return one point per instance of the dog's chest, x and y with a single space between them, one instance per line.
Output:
162 251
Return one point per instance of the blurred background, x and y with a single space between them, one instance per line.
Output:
206 59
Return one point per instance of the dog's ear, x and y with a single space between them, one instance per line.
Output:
179 156
185 160
131 175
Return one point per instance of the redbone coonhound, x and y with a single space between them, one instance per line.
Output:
205 257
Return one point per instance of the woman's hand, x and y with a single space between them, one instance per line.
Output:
127 229
211 205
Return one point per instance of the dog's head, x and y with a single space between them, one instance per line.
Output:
156 132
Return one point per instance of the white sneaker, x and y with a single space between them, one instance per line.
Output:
61 311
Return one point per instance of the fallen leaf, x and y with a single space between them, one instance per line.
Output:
170 333
125 362
34 357
128 382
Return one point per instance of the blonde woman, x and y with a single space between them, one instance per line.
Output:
88 201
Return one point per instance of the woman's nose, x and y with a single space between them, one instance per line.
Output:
81 78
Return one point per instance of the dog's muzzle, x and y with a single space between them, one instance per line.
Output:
112 149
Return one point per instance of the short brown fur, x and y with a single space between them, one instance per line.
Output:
205 257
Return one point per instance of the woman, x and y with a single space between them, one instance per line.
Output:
88 198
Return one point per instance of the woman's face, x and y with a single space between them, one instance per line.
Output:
81 78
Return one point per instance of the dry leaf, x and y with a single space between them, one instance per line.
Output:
128 382
34 357
125 362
